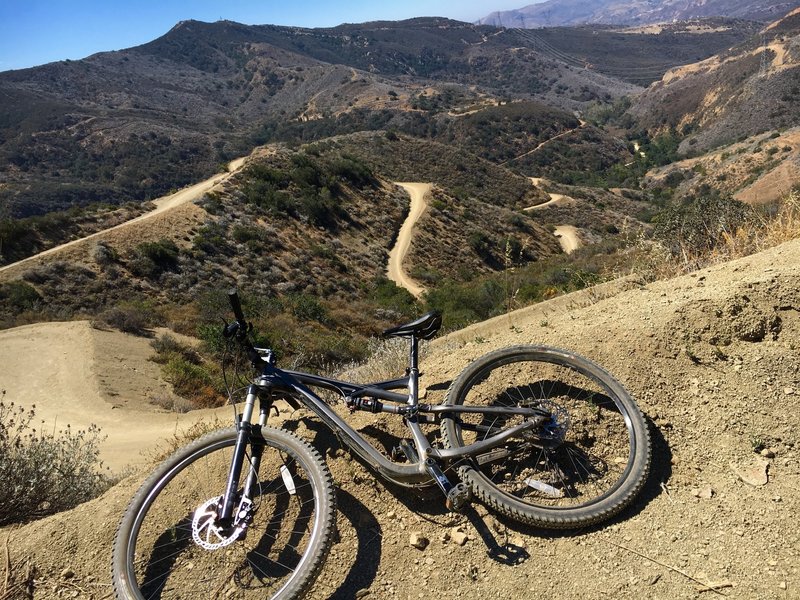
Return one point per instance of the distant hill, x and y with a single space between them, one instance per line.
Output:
556 13
749 89
637 54
132 125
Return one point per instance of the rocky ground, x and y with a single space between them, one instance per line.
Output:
712 359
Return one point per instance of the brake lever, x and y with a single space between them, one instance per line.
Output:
229 329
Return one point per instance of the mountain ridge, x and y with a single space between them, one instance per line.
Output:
559 13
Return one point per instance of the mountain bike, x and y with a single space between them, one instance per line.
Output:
538 434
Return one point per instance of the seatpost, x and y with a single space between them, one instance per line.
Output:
413 372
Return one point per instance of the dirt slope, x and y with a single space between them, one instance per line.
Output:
132 228
712 359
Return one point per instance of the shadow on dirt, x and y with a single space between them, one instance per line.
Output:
368 553
428 503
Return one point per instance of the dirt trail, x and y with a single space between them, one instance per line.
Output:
710 357
568 238
544 143
74 374
395 272
163 204
567 234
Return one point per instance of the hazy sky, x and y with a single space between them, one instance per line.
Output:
34 32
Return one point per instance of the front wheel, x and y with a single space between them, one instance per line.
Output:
170 543
583 464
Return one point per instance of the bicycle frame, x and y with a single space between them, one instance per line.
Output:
295 385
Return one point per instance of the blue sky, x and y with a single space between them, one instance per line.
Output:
34 32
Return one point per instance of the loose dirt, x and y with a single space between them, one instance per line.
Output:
712 360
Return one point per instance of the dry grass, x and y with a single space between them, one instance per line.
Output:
181 438
653 261
388 359
17 582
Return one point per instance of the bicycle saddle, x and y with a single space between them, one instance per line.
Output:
423 328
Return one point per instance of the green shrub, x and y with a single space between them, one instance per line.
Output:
19 295
308 308
701 223
44 473
151 259
131 317
191 377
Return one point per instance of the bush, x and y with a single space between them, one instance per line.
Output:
151 259
189 375
19 295
700 224
43 473
132 317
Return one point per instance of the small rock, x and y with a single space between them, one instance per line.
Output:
705 492
768 453
391 514
782 585
754 472
654 579
363 592
788 391
418 541
458 537
67 573
518 542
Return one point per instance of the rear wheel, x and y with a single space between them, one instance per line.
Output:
171 545
583 465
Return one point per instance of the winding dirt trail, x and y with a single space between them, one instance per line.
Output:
568 238
567 234
163 204
395 272
544 143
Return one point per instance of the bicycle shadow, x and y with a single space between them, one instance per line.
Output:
654 486
369 535
428 503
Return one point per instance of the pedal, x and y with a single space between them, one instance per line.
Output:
458 497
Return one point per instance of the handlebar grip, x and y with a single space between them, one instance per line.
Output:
236 305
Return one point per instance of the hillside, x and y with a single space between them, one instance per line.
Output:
750 89
694 351
759 170
133 124
307 232
555 13
640 54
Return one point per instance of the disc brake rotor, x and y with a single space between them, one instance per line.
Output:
554 430
207 534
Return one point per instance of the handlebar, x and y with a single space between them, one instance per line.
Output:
240 329
236 305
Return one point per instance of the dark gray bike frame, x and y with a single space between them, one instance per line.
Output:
296 385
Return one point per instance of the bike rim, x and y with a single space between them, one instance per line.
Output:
165 562
592 460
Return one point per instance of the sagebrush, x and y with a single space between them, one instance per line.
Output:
43 472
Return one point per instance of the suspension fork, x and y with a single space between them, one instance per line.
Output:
243 437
